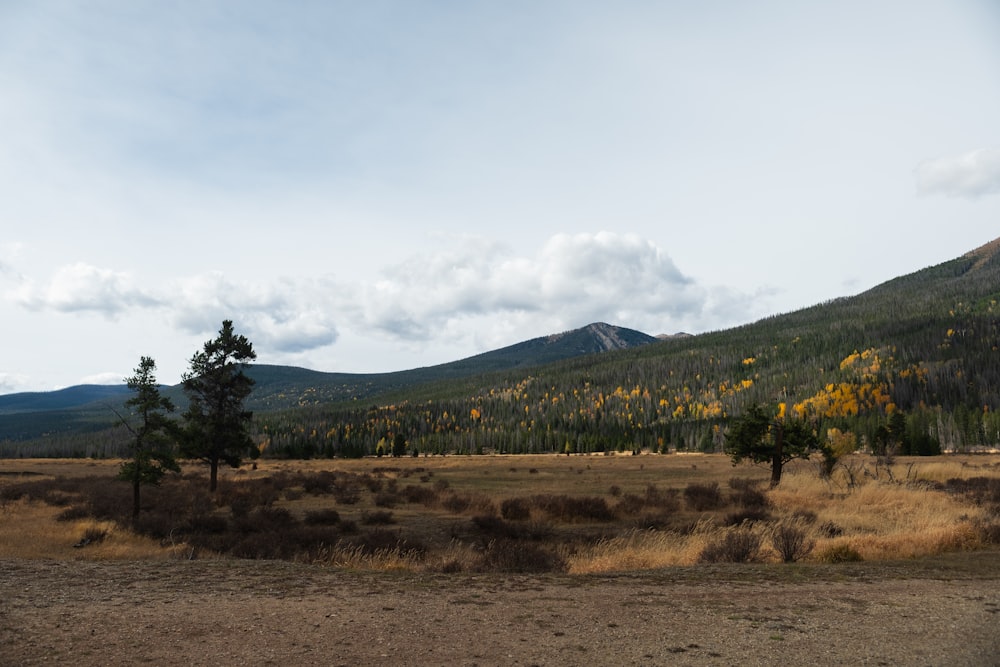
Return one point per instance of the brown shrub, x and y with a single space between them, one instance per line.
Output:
515 556
703 497
515 509
790 540
738 546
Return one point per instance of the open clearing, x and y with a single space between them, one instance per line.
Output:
125 603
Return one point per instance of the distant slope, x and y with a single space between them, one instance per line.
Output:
27 415
281 387
62 399
925 345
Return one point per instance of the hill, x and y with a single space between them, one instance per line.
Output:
921 348
85 408
61 399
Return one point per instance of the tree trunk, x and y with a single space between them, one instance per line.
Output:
135 501
213 475
776 458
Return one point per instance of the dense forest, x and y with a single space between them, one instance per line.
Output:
916 357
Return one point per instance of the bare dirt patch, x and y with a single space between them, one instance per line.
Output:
940 611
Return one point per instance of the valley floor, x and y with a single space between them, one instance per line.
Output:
940 611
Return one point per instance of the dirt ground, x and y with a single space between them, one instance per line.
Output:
223 612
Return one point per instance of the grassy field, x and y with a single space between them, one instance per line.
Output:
575 514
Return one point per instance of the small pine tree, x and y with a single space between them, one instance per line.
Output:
151 453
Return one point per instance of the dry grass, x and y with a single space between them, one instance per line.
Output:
866 509
30 529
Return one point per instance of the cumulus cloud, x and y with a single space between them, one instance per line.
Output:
475 293
970 175
284 316
11 383
572 280
81 287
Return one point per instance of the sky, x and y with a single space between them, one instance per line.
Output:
383 185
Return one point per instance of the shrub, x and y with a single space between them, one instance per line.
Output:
388 498
805 516
264 519
979 490
989 531
456 503
750 498
381 540
571 508
494 526
378 518
518 557
515 509
747 515
207 523
73 513
830 529
325 517
346 494
789 539
738 546
702 497
840 553
419 494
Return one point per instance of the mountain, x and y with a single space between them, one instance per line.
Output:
30 414
923 346
62 399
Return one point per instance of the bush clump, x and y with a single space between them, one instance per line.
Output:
791 541
514 556
703 497
515 509
570 508
324 517
840 553
738 546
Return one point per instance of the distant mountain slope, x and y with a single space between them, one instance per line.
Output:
283 386
62 399
924 345
26 415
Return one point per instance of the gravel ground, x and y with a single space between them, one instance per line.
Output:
275 613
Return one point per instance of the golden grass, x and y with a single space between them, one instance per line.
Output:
880 514
30 530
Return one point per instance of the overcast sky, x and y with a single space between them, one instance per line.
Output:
375 186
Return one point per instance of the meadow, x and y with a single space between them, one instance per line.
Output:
580 514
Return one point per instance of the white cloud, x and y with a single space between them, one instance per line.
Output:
104 378
81 287
10 383
573 280
969 175
285 316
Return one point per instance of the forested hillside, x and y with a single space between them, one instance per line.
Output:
918 354
916 357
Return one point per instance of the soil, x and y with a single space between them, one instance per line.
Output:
943 611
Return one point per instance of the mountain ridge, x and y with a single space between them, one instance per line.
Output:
923 345
275 380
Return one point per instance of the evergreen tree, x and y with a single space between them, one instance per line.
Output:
762 437
216 421
150 452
